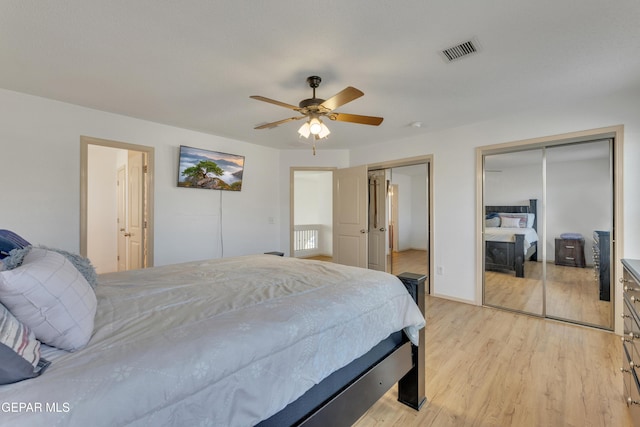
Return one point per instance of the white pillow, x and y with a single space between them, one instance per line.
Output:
509 222
50 296
492 222
530 218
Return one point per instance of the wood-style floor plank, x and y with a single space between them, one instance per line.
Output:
487 367
571 293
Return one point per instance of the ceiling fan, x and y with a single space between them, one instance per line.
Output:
313 109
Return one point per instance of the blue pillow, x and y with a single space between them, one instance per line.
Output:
14 259
19 350
9 241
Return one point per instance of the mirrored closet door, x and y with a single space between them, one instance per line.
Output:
546 235
513 187
399 219
579 217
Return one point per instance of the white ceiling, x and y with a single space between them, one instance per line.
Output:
194 63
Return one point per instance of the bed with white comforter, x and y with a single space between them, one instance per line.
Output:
507 234
224 342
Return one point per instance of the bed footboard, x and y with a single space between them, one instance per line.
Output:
349 405
506 255
411 388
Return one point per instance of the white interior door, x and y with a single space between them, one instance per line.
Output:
350 216
378 220
122 218
135 217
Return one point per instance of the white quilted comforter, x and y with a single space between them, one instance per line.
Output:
225 342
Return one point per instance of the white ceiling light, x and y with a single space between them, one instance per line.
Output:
304 130
314 127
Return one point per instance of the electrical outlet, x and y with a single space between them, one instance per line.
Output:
439 270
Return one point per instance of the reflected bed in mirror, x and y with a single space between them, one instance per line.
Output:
511 237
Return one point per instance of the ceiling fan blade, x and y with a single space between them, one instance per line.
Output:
342 97
273 101
279 122
354 118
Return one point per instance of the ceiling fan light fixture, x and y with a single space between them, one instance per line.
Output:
315 126
324 131
304 130
313 108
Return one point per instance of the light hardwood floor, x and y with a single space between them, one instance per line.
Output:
411 261
572 293
488 367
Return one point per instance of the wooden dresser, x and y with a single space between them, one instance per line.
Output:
570 252
631 338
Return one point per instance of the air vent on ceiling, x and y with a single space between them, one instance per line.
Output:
459 51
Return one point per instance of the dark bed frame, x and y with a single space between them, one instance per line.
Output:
510 256
343 397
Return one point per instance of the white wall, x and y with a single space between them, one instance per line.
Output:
576 195
40 162
404 197
419 212
579 203
412 228
454 172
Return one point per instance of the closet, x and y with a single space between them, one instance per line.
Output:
567 262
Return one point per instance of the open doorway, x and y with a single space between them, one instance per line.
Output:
312 213
116 195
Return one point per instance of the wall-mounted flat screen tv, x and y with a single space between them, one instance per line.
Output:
198 168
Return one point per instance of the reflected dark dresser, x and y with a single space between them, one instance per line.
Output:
570 252
631 338
601 262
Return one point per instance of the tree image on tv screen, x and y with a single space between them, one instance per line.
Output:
205 175
213 170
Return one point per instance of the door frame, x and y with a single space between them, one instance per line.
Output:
85 141
614 132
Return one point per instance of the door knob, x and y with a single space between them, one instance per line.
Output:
127 234
383 229
363 231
